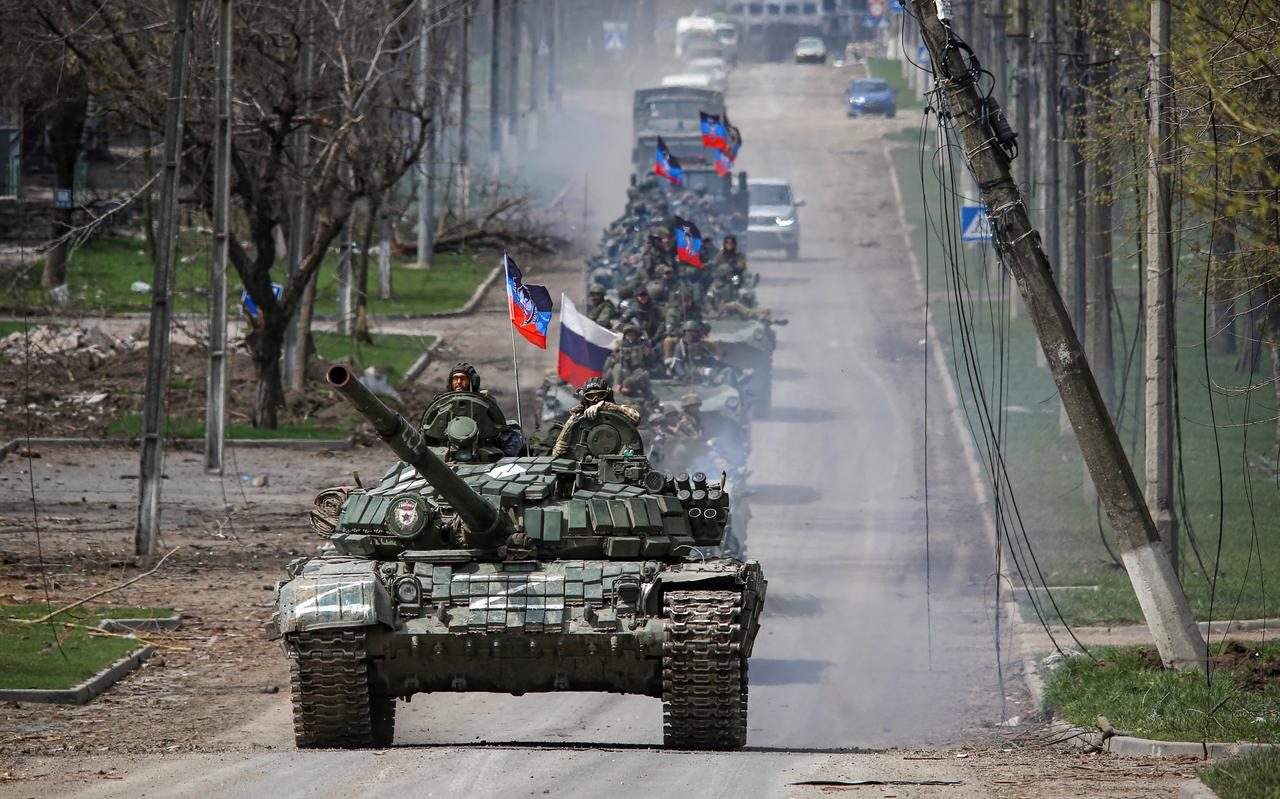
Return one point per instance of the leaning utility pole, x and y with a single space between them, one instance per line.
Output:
1159 278
215 414
495 87
426 154
151 468
1163 602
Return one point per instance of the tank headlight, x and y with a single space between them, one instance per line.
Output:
408 591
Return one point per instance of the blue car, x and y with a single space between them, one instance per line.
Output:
872 96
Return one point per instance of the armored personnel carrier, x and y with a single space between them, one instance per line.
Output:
520 574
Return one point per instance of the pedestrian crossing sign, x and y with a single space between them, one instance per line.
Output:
974 224
615 37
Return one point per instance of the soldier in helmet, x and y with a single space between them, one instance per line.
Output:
599 308
463 377
692 351
634 354
659 251
594 396
729 262
647 314
637 392
683 308
690 421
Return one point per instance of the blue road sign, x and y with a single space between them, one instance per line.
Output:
62 198
974 224
922 54
896 6
615 36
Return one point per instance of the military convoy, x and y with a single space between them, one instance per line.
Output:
596 554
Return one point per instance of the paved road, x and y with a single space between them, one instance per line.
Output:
846 658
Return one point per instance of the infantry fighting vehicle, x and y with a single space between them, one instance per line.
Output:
521 574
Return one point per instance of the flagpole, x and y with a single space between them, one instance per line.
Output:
515 363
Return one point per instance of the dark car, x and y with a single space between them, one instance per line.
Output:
872 96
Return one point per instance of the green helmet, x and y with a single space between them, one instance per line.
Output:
691 326
596 290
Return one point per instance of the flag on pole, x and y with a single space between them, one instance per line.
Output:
530 306
584 345
667 165
723 163
688 242
714 133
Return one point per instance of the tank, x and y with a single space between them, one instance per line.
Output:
748 344
579 573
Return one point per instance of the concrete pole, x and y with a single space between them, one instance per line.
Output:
512 78
346 278
464 112
1163 602
216 394
384 252
1050 223
299 327
495 88
426 171
1021 36
151 467
553 53
533 30
1098 188
1159 284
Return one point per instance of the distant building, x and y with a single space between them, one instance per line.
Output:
768 31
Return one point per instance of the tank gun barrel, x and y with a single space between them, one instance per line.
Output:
405 440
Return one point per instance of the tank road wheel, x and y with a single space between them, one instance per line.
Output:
704 689
333 703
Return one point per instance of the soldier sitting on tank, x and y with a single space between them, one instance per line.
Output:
637 392
463 377
689 424
694 352
594 396
683 308
726 301
468 422
634 354
647 314
599 308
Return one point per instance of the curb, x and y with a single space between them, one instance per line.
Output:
86 690
1128 746
132 625
424 360
1195 789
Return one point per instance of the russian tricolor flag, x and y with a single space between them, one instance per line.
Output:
584 345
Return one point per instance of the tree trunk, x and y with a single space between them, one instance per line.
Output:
66 128
1222 320
266 345
1273 339
1251 324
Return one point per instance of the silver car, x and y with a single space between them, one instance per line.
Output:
772 219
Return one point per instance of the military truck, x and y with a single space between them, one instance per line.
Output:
672 113
529 573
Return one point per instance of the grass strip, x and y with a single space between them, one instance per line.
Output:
29 657
1163 704
1046 471
890 70
1254 776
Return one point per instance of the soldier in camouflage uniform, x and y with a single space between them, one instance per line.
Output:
693 351
682 308
634 354
730 261
637 392
595 396
599 308
648 315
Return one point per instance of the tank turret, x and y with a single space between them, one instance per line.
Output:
483 519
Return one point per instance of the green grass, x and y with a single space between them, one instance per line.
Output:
1163 705
1254 776
101 272
891 71
447 286
1047 474
30 659
129 425
395 352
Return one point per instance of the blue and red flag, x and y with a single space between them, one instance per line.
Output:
723 163
714 133
688 242
667 165
584 345
530 306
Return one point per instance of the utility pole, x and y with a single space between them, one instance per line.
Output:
346 278
151 468
1021 36
495 88
533 27
298 330
1050 221
553 54
384 248
1159 283
512 76
464 112
1077 244
216 398
1163 602
426 171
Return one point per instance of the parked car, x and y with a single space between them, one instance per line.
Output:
811 50
716 68
872 96
692 80
772 219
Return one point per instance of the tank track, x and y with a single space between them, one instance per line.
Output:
334 705
704 675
